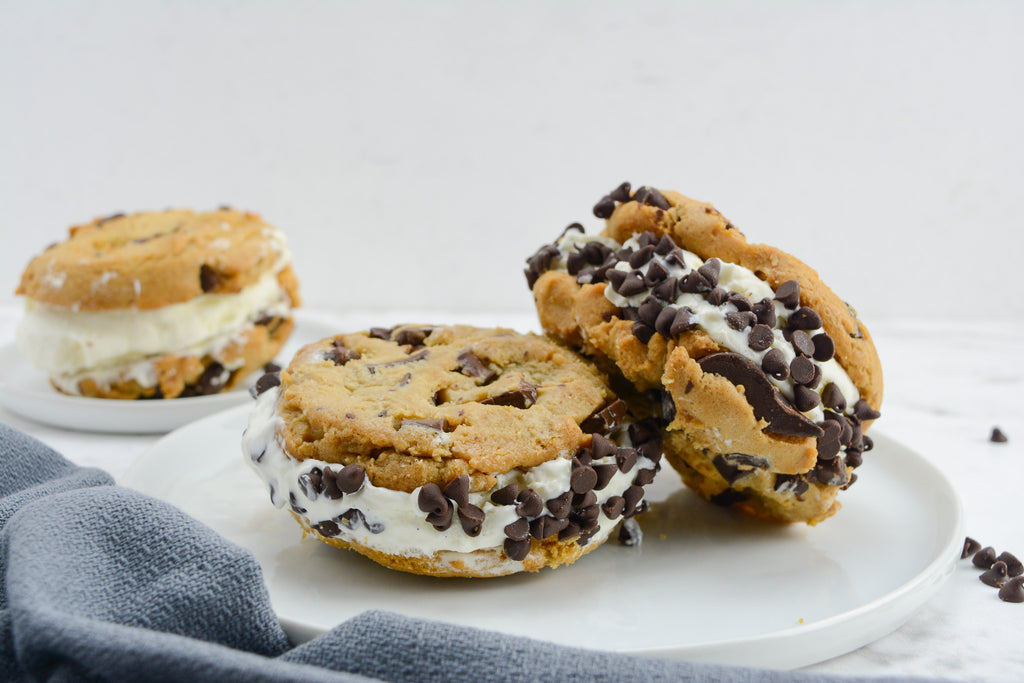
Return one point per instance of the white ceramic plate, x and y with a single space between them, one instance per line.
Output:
706 584
27 391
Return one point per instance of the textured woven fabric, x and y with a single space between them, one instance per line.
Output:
99 582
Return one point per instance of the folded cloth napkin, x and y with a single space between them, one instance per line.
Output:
99 582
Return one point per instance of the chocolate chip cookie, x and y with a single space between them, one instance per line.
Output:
158 305
766 379
450 450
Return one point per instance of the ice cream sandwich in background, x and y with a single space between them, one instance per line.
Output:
159 304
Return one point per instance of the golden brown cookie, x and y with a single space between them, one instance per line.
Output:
451 450
158 305
768 378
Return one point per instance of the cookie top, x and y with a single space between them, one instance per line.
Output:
154 259
414 405
700 228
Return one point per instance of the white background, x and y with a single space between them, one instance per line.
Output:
417 153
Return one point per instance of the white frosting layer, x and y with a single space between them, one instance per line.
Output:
103 344
711 318
394 523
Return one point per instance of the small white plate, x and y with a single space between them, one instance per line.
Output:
26 391
706 584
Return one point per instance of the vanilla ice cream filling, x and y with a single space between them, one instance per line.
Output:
71 345
392 522
712 318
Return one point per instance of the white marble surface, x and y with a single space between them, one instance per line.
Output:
947 385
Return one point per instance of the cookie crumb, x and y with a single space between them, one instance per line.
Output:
998 436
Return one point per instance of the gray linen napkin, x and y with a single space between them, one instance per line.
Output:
99 582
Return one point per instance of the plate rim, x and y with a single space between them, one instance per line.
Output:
886 612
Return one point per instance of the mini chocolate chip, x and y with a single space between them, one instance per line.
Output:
458 490
518 530
613 507
522 398
620 193
605 207
571 530
625 459
643 332
471 518
575 262
998 436
588 513
630 534
802 343
584 500
604 475
711 269
802 370
984 558
431 500
804 319
267 381
683 321
645 431
572 227
740 320
641 256
663 323
832 398
633 284
560 506
615 278
761 337
651 197
583 479
1014 567
329 479
584 456
765 312
666 290
694 283
865 412
717 296
602 447
828 443
648 311
546 527
517 550
530 503
209 279
792 483
805 399
824 347
644 477
309 489
471 366
788 293
350 479
441 520
970 547
351 518
656 273
633 495
1012 590
327 529
767 402
505 495
995 576
665 246
774 364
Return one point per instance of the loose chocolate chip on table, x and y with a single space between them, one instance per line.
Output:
505 495
530 503
788 293
458 490
630 534
997 436
760 338
767 402
1012 590
1014 567
995 576
606 420
984 558
471 366
970 547
517 550
471 518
